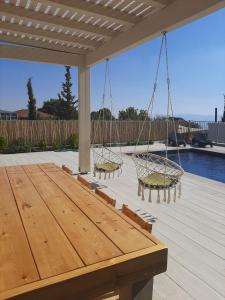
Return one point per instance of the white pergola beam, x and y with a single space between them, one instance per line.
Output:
48 34
154 3
39 44
41 55
173 16
47 19
84 119
93 10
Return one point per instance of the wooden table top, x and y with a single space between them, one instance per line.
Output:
55 233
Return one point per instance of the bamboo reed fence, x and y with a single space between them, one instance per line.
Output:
58 132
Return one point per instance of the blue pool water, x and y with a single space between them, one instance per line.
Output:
202 164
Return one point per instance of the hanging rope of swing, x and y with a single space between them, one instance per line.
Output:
155 172
106 161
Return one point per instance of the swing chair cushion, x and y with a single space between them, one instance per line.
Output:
158 181
107 167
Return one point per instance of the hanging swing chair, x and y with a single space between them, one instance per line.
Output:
155 172
106 161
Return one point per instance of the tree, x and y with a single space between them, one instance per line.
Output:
32 114
143 115
133 114
67 102
53 107
96 115
129 113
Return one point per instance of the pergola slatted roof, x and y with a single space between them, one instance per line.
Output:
93 28
90 29
91 21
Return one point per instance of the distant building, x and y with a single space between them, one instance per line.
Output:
22 114
8 115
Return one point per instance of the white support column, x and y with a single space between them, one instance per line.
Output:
84 119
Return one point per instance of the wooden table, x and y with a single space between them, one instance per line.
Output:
59 240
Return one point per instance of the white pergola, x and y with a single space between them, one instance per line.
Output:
84 32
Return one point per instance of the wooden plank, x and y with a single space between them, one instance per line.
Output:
104 196
204 255
123 216
84 181
191 284
116 228
17 266
179 215
192 234
52 251
14 169
67 170
97 279
136 218
193 264
168 289
119 213
90 243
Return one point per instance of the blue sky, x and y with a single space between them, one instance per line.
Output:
197 64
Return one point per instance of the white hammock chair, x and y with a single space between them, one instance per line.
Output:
106 161
155 172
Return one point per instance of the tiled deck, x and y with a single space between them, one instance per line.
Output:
193 227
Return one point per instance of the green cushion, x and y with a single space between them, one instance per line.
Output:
107 167
157 180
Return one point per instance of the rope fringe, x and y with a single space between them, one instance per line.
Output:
139 189
158 196
150 196
143 196
175 194
180 191
168 200
164 195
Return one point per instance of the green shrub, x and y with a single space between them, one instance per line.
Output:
18 146
42 145
3 143
134 143
19 142
73 140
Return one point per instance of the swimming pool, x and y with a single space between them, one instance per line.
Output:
209 165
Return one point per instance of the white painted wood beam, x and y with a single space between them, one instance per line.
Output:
84 119
96 11
48 34
41 55
171 17
154 3
47 19
39 44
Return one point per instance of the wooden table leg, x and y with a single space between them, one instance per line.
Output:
142 290
125 293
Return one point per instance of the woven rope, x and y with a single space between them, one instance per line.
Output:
149 164
104 156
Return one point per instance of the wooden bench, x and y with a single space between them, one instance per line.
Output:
136 218
104 196
84 182
67 170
